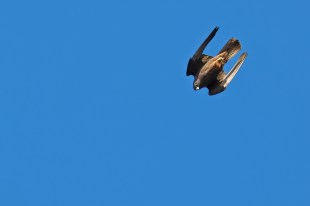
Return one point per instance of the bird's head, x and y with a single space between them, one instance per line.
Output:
196 85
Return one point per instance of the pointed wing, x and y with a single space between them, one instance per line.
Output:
198 60
224 80
234 70
198 53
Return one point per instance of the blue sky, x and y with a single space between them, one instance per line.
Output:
96 109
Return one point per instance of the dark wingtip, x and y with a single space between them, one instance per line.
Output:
215 30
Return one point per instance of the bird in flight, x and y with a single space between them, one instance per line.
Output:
209 71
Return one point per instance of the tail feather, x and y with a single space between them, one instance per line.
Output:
230 49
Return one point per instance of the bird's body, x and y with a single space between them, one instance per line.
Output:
209 71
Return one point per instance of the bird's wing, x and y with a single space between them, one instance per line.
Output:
198 53
198 60
223 79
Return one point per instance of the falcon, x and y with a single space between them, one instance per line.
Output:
208 71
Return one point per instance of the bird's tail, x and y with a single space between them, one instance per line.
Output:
230 49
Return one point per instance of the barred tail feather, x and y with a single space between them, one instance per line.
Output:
231 48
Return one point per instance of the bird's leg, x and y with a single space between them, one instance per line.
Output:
198 53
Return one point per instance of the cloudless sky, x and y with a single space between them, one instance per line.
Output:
96 109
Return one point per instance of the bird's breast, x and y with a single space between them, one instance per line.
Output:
209 76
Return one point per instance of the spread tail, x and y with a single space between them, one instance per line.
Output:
231 48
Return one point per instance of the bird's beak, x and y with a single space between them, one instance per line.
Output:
196 88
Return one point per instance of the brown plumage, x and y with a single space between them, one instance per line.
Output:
209 71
